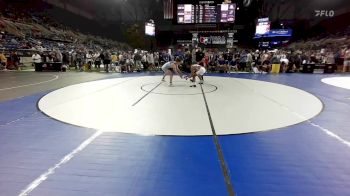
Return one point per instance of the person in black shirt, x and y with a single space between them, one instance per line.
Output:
107 60
65 61
199 55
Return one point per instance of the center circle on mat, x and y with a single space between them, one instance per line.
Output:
237 106
178 88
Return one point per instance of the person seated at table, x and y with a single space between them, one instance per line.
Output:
266 64
222 64
284 64
212 66
233 65
3 60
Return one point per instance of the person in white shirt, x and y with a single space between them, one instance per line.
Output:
88 57
144 61
59 56
346 59
120 57
249 60
97 60
36 58
284 63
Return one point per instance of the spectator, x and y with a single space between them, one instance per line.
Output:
346 59
137 59
122 61
187 62
249 61
284 63
65 61
243 61
107 60
114 57
150 61
80 60
89 60
179 54
330 59
144 61
266 66
3 60
128 63
165 57
199 55
98 61
15 60
156 60
222 64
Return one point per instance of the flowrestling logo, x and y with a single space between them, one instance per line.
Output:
324 13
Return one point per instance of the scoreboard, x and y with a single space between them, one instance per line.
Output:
207 12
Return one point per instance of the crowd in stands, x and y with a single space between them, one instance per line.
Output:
289 60
333 48
24 30
239 60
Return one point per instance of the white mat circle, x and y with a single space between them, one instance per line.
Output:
237 106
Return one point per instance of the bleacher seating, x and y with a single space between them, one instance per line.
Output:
27 30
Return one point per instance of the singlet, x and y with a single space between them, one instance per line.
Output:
196 66
167 65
